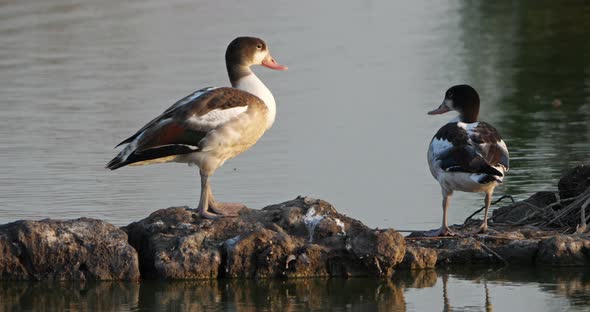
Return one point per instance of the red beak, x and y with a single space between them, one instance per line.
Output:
440 110
272 64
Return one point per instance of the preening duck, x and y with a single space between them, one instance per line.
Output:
211 125
466 154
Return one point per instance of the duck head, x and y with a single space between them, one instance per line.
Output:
462 99
244 52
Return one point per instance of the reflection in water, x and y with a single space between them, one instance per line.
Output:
234 295
526 55
272 295
447 306
489 289
415 278
76 75
573 284
67 296
488 306
446 301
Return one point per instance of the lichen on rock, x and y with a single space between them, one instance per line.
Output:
299 238
81 249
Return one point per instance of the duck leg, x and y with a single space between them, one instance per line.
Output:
203 208
488 201
444 229
224 209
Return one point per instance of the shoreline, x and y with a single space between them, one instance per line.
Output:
303 237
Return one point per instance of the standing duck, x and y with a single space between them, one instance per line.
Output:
211 125
466 154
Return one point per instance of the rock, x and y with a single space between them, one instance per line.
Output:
463 251
81 249
504 244
419 258
455 250
574 182
303 237
519 251
524 210
300 238
564 251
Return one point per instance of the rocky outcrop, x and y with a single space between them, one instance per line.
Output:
566 209
564 250
299 238
506 245
574 182
82 249
529 210
303 237
417 257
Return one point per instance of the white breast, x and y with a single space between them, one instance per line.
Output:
253 85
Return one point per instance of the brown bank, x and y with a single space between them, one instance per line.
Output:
303 237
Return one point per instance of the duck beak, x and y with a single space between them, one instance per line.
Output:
272 64
443 108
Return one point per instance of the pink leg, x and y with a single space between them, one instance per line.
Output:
444 230
203 207
224 209
484 226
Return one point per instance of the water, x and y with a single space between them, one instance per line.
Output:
418 291
77 77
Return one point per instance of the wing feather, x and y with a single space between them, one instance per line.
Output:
187 100
473 148
182 127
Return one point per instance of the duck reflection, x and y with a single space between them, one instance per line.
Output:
407 290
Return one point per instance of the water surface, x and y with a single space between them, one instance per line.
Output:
429 290
79 76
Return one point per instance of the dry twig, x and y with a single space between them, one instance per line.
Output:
484 207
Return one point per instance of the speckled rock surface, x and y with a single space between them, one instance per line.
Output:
303 237
506 245
564 250
419 258
299 238
81 249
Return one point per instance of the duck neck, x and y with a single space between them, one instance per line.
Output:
241 77
469 116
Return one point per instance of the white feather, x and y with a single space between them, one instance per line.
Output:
253 85
439 146
468 126
193 96
214 118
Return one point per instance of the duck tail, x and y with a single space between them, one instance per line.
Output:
117 162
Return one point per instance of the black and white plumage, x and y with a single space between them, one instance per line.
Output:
466 154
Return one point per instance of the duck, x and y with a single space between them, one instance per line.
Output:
466 154
211 125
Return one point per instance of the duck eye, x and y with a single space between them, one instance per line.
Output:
259 46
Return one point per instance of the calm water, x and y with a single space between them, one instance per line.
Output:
77 77
422 291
